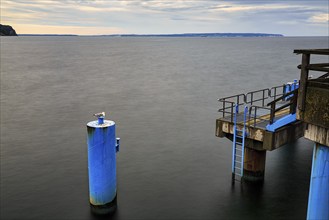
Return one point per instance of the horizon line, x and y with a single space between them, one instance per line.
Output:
159 35
163 34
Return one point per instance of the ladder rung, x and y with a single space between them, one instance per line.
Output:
238 162
238 136
238 156
238 149
240 143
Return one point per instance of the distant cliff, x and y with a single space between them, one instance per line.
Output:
6 30
200 35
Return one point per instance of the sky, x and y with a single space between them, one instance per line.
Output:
93 17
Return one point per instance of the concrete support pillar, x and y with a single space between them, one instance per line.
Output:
254 165
318 198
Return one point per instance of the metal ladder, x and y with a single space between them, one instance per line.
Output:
239 137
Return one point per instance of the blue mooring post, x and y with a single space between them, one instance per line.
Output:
102 147
318 198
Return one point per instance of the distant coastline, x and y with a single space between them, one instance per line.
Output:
169 35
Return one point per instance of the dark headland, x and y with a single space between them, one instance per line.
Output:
7 30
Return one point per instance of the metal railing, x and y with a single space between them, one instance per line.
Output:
228 103
259 100
277 91
256 117
257 96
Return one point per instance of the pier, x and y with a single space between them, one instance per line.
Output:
266 119
269 122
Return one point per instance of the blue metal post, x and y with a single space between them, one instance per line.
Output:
318 198
234 139
102 148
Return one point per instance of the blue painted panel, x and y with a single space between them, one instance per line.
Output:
102 162
290 86
281 122
318 199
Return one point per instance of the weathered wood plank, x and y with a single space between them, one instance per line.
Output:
260 139
219 129
316 68
303 82
317 134
313 51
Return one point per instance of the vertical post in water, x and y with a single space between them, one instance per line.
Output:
102 147
318 198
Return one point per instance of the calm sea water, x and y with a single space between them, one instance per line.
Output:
162 93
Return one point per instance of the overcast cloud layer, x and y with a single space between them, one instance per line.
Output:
291 18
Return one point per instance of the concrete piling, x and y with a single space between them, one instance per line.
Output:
254 165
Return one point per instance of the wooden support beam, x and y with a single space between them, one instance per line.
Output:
324 76
313 51
303 81
315 65
317 68
317 134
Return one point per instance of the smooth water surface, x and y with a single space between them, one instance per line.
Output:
162 93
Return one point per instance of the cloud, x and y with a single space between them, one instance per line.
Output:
320 18
168 16
172 6
101 9
287 22
248 8
53 29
